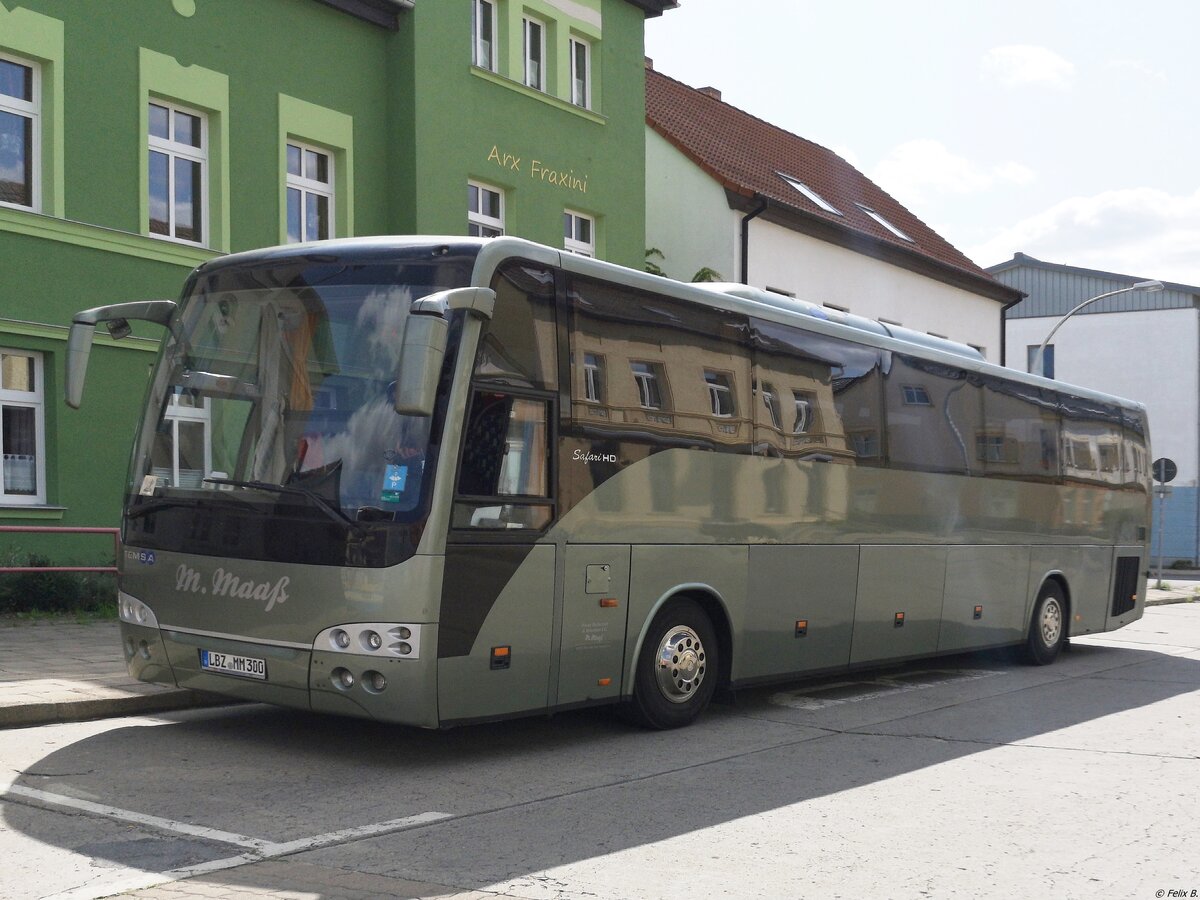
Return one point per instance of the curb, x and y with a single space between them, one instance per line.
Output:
31 714
1171 599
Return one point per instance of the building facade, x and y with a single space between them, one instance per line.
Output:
729 192
139 138
1144 346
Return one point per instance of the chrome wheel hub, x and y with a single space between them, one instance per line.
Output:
1051 622
681 664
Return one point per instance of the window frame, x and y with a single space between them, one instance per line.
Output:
306 186
30 110
528 23
644 381
35 400
173 150
720 393
571 242
584 101
593 378
915 395
477 218
477 6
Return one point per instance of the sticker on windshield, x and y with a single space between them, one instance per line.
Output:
394 479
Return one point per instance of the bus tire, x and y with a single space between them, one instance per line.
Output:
1048 627
677 668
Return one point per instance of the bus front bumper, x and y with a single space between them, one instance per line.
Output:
342 683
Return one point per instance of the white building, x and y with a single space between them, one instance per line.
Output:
1144 346
731 193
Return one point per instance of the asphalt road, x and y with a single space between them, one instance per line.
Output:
974 776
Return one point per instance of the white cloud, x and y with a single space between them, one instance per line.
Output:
918 169
1025 65
1138 231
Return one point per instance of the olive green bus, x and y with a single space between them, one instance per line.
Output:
444 480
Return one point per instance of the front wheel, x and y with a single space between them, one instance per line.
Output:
1048 628
677 668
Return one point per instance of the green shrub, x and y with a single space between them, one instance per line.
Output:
92 593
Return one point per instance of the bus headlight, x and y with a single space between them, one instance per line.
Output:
134 611
382 639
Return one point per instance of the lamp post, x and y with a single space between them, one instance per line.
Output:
1151 287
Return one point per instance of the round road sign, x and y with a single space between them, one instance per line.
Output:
1165 469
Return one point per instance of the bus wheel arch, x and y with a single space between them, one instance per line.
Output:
1049 621
682 657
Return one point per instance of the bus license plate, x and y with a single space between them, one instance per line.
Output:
228 664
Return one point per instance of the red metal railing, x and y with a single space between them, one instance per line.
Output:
55 529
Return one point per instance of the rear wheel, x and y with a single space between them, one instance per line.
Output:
1048 628
677 668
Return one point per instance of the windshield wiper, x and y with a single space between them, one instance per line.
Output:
158 503
312 496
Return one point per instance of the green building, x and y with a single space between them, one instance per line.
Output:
139 138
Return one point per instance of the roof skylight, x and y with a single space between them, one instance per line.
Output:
809 193
885 223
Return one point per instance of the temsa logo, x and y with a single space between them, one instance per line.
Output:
226 584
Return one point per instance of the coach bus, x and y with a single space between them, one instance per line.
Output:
443 480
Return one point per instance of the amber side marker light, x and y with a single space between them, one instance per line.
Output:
899 623
801 627
609 602
501 657
604 682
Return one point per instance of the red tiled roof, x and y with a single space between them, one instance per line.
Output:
745 155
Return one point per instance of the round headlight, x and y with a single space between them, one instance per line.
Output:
405 633
341 640
375 681
342 678
372 640
404 648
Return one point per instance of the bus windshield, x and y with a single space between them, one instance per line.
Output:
271 427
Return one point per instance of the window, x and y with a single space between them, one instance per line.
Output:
1047 366
19 133
581 73
184 458
504 480
535 54
771 402
483 34
991 448
885 223
648 379
579 233
22 428
593 378
309 194
808 192
720 394
485 210
178 177
806 412
915 395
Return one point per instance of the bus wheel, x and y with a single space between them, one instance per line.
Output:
677 669
1048 629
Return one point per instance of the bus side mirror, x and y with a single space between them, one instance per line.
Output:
83 329
423 346
421 353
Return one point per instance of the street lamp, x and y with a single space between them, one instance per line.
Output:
1149 287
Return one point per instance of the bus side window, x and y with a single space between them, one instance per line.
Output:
504 481
520 345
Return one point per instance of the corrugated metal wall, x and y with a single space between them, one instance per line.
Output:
1055 291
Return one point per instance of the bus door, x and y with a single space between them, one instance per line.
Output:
595 609
496 625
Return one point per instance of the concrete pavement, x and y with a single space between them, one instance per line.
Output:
58 670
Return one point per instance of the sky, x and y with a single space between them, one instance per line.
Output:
1066 130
